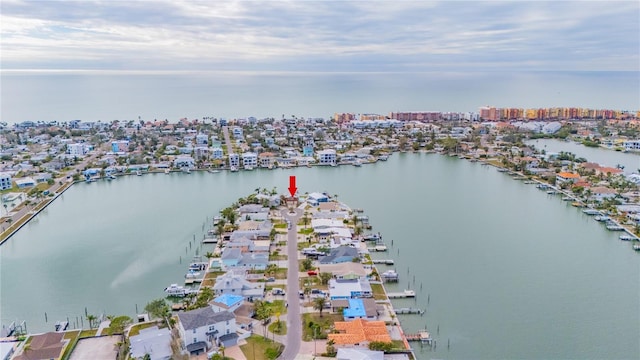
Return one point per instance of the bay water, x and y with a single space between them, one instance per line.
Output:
503 270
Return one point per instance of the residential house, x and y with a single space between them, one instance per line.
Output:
249 160
359 332
234 161
24 183
236 284
600 193
217 153
327 157
120 146
184 162
566 177
235 258
78 149
359 354
202 329
340 254
349 288
356 308
267 160
226 302
316 198
153 341
5 181
44 347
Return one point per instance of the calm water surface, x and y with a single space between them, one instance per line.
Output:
504 270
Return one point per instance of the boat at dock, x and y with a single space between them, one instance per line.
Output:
636 247
61 326
567 198
627 238
167 171
602 218
178 291
185 170
379 248
591 212
390 276
138 173
614 227
551 192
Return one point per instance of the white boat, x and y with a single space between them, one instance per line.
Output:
614 227
248 167
390 275
627 237
357 163
567 198
551 192
591 211
602 218
383 157
192 274
139 173
186 170
167 171
177 290
636 247
234 169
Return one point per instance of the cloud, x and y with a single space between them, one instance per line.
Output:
320 35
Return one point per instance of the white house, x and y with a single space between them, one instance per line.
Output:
249 160
184 161
236 284
153 341
217 153
327 157
77 149
202 329
5 181
234 160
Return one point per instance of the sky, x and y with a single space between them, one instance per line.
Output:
320 36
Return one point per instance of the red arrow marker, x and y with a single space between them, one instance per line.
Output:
292 185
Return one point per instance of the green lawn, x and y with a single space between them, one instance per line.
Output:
88 333
305 231
135 329
259 348
278 327
378 292
72 336
324 324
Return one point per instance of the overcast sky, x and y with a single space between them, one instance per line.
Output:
322 36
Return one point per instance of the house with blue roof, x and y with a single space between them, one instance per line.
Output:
360 309
227 302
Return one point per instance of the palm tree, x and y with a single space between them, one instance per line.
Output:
91 318
319 303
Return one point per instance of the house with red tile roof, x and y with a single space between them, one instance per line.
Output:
359 332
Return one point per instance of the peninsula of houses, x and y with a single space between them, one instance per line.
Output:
288 277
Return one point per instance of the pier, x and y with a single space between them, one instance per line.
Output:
423 336
410 311
404 294
384 262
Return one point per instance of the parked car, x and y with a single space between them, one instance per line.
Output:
312 273
271 279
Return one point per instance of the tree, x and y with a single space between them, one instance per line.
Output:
118 324
92 320
158 309
319 303
331 350
325 277
307 264
263 312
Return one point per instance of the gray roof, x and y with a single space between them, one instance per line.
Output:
153 341
340 251
203 317
231 253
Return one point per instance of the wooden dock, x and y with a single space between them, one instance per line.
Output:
384 261
404 294
407 311
423 336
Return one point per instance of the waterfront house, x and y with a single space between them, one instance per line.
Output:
201 329
235 283
234 161
359 332
349 288
600 193
249 160
362 354
340 254
356 308
184 162
267 159
217 153
120 146
316 198
346 270
327 157
226 302
566 177
252 208
153 341
44 347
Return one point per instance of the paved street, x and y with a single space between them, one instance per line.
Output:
294 324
